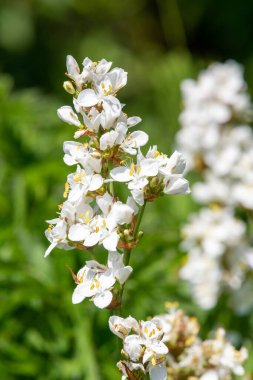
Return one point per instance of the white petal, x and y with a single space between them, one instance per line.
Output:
78 232
123 274
138 196
50 248
132 121
91 240
158 347
158 373
67 114
107 280
177 186
108 139
87 98
104 202
72 66
121 174
96 182
78 295
149 167
110 243
138 183
103 299
121 213
140 138
210 375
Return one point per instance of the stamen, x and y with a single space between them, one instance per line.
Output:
87 217
132 168
65 194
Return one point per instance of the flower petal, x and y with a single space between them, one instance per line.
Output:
103 299
158 373
87 98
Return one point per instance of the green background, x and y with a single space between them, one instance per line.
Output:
160 42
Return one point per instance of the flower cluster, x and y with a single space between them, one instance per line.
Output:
218 254
168 346
218 144
93 214
109 151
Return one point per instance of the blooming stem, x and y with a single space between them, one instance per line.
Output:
127 252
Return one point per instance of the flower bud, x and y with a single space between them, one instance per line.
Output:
155 185
68 87
96 155
140 234
127 234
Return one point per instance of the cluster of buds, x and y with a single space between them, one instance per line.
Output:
108 151
168 346
218 145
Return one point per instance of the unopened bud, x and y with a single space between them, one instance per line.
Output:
96 155
140 234
95 143
154 183
79 133
126 234
68 87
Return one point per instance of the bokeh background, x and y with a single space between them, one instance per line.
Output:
159 42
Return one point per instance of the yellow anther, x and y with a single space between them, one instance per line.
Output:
138 170
156 154
79 177
105 92
97 284
132 168
104 223
190 340
103 85
146 330
60 206
110 87
215 207
92 286
97 229
50 228
85 145
153 361
65 194
87 217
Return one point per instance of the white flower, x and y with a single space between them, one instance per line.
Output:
77 153
133 141
108 139
136 176
122 326
111 111
96 281
57 235
74 71
97 286
120 271
116 213
81 182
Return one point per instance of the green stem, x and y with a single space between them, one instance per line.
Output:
127 252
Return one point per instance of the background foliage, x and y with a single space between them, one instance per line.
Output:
159 42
